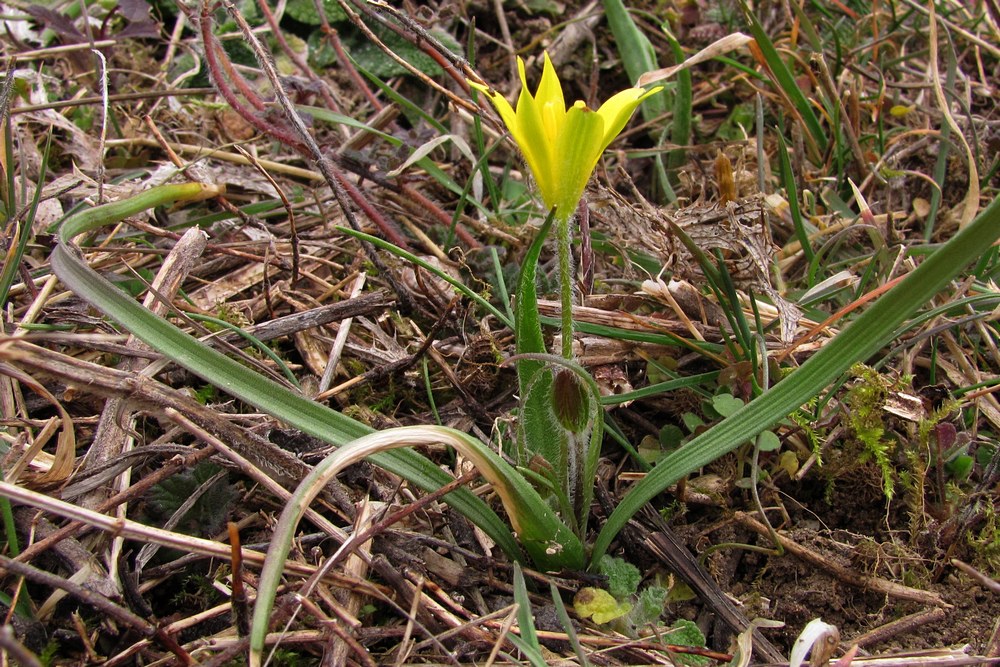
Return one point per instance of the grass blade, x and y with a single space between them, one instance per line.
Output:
637 52
792 196
680 127
527 643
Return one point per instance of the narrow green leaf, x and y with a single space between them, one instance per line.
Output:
792 196
539 528
680 126
786 81
232 377
16 253
866 335
527 643
567 625
637 52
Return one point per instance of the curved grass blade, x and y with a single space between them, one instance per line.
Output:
866 335
234 378
545 537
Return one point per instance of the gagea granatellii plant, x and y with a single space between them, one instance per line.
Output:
561 422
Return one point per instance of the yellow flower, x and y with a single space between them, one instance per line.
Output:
562 145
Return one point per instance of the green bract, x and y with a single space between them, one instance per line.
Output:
562 145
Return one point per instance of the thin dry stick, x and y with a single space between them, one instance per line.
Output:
341 339
103 138
141 532
177 162
136 490
239 601
405 645
382 525
14 648
900 626
978 576
293 232
59 50
333 656
846 575
854 305
200 151
98 602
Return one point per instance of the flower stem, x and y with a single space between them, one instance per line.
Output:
564 241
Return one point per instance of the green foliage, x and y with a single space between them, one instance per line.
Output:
561 420
767 441
802 419
869 332
687 633
549 7
985 453
726 404
196 591
786 82
985 543
623 599
206 393
738 125
372 59
305 11
49 652
527 643
649 606
286 657
623 577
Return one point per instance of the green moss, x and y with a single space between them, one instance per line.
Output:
986 543
866 402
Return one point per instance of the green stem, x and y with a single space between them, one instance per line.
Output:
565 242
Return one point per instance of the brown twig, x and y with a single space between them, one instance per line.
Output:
844 574
98 602
898 627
